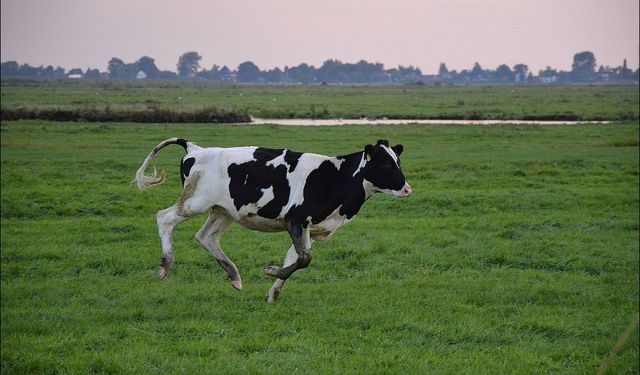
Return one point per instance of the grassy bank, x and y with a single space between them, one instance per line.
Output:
332 101
149 114
517 253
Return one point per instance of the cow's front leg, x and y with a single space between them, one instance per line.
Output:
302 245
290 259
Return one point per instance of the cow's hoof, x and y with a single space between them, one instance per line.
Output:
273 295
162 273
272 271
237 284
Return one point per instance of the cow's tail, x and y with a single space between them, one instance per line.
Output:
143 181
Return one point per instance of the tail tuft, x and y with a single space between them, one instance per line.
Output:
143 181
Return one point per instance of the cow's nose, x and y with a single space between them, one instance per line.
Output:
406 190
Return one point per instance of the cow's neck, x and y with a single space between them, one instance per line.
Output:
353 193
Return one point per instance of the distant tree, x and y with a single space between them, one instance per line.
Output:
504 74
443 71
583 67
329 71
302 73
530 77
409 74
213 74
520 72
148 66
76 71
625 72
188 64
476 71
92 73
547 72
27 70
59 72
167 74
116 68
274 75
248 72
48 71
9 69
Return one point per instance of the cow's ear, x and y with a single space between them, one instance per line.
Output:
398 149
368 152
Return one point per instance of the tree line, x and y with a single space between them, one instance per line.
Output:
583 70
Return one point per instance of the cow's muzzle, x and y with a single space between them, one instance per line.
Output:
405 191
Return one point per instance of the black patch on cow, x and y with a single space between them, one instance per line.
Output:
281 192
382 142
185 168
398 150
182 142
247 180
291 158
266 154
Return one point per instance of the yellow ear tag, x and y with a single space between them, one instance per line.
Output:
368 157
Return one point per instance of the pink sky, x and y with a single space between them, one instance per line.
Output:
77 33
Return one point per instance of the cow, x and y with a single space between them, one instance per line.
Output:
307 195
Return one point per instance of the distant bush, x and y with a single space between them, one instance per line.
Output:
146 115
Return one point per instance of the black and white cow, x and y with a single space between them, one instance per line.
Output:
271 190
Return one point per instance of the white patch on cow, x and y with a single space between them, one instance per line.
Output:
369 188
267 196
326 228
279 160
391 153
404 192
363 162
337 162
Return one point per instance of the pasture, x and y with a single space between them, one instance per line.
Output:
98 99
516 254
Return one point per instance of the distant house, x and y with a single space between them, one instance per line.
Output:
519 77
548 80
227 75
141 75
75 73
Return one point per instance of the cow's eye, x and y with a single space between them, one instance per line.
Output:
386 165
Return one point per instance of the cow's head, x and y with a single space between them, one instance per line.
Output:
382 169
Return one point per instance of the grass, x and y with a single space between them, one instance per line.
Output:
317 101
517 253
151 114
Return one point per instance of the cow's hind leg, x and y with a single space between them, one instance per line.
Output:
189 205
167 220
291 258
209 237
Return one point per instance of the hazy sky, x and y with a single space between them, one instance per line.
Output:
87 33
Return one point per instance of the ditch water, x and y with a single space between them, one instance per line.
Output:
385 121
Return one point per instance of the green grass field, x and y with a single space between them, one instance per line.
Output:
516 254
332 101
